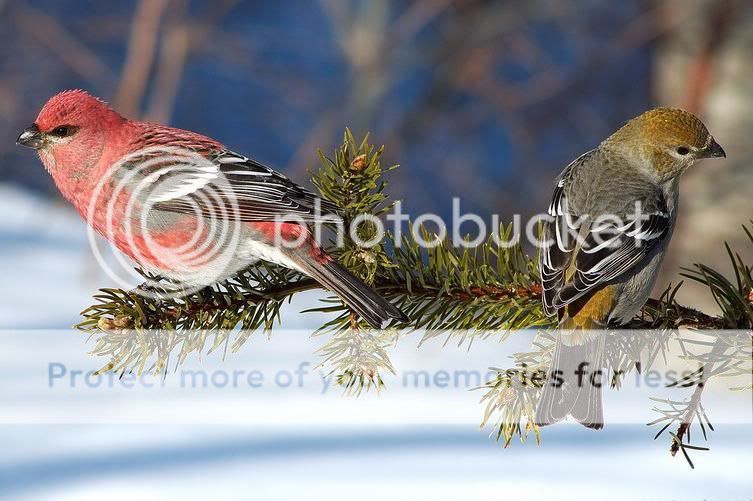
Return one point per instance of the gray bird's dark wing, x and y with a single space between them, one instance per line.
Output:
588 251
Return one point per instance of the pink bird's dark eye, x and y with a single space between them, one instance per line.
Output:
64 131
683 150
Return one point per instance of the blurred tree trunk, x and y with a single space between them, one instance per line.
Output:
705 66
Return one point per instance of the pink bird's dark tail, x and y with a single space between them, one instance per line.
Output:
364 301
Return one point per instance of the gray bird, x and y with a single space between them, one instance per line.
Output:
612 215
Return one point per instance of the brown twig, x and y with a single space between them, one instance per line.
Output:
174 51
76 55
695 400
180 38
142 44
682 316
720 18
687 420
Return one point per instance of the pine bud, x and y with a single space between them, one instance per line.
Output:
359 163
123 322
105 324
367 257
110 324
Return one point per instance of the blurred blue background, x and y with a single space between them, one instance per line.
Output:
481 99
465 94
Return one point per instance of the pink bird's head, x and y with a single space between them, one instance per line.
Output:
70 133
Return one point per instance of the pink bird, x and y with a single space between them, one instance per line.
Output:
182 205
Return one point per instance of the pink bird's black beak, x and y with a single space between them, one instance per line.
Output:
30 137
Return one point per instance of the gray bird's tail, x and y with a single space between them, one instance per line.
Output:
364 301
573 386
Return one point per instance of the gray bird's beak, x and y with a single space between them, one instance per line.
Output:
714 150
30 137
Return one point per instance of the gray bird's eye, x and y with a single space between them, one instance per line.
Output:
683 150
